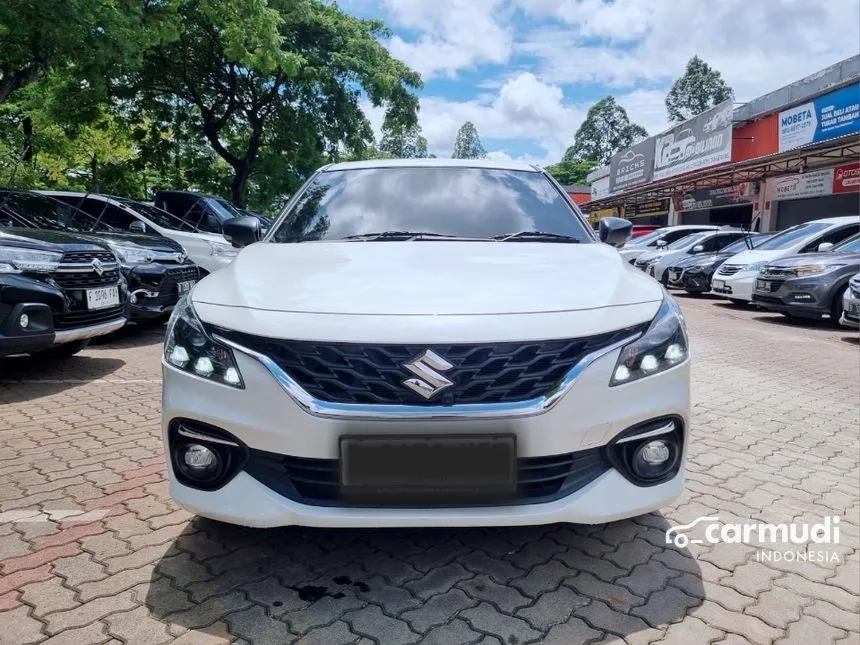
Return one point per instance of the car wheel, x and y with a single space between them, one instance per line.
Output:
836 307
66 350
737 302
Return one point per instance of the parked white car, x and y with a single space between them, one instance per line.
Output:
851 303
735 278
209 251
426 343
660 238
657 263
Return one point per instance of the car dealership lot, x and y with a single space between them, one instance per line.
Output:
93 550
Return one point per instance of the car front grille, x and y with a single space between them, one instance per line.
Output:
729 269
316 482
84 318
167 289
76 270
675 274
374 374
773 285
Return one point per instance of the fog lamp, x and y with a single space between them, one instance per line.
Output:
24 321
653 459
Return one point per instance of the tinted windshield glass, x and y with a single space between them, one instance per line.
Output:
644 240
157 216
467 202
39 211
791 236
223 209
851 245
741 244
686 241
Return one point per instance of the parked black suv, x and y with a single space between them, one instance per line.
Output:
694 274
57 291
155 267
206 213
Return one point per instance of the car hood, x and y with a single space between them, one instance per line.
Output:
818 258
652 255
151 242
756 255
45 240
427 278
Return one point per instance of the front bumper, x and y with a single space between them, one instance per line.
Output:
737 287
154 288
265 418
693 279
850 310
798 296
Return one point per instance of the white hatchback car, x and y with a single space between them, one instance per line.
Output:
209 251
736 276
426 343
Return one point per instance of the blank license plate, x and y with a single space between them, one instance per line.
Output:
102 298
423 469
719 284
185 287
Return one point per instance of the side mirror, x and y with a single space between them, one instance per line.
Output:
825 246
615 231
242 231
137 226
662 243
697 249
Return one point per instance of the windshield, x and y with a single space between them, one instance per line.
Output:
451 201
793 235
741 244
851 245
687 240
222 208
644 240
157 216
39 211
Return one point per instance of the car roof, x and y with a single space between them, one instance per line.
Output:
848 219
492 164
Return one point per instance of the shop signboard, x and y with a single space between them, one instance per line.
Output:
703 141
600 188
797 186
595 216
833 115
706 198
846 179
632 167
647 209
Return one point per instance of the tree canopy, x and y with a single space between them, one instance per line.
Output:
569 173
402 142
606 130
700 88
468 144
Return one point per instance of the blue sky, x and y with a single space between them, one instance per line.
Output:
526 71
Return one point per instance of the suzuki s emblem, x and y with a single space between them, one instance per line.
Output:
426 368
97 266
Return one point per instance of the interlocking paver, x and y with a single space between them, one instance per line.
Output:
775 440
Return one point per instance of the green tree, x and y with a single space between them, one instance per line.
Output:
569 173
699 89
606 130
402 142
279 82
93 40
468 145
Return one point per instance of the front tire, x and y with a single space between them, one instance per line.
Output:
836 307
66 350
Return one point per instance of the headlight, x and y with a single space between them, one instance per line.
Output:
189 348
663 346
755 266
132 254
14 260
815 269
222 250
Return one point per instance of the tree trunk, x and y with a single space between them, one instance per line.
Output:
27 126
240 179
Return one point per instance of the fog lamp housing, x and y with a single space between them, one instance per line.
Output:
648 453
203 456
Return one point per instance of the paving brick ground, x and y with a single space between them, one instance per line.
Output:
92 549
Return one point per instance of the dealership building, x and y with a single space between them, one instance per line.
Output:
787 157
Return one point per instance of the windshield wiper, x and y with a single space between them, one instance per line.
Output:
405 235
536 236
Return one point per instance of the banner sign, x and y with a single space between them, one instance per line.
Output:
595 216
846 179
833 115
715 197
841 179
646 209
632 166
704 140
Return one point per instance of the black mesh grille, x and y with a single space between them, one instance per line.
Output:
85 280
87 256
168 293
316 481
485 373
